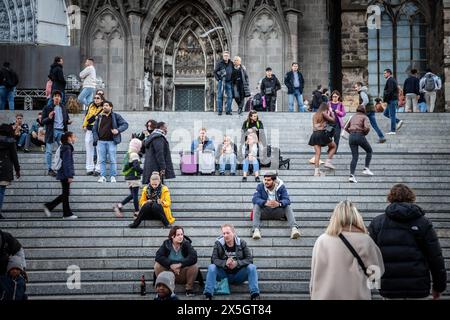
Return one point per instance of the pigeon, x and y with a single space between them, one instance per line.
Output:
208 32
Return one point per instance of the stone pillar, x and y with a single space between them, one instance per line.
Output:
446 84
135 63
237 16
292 18
354 55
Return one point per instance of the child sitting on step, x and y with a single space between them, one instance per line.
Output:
132 171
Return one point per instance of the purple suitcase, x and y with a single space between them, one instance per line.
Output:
188 164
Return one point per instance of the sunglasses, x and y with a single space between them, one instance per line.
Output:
97 98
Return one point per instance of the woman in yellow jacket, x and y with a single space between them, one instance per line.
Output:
154 203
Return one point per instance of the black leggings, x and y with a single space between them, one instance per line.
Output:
63 198
134 195
337 134
151 211
357 140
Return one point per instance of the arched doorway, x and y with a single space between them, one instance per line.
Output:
190 75
181 49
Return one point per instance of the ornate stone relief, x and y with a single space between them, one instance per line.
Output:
264 28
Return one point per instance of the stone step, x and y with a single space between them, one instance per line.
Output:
130 287
310 221
272 237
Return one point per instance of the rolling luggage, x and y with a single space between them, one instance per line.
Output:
188 163
206 162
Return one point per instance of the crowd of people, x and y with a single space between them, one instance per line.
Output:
400 244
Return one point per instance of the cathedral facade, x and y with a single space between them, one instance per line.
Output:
169 47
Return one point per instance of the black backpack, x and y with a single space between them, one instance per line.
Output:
317 99
257 101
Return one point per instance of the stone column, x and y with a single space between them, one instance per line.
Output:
135 64
446 84
237 16
292 17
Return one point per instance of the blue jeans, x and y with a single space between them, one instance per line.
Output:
389 112
297 95
107 149
2 196
57 134
228 159
246 273
86 96
422 107
374 124
21 140
7 96
246 164
221 88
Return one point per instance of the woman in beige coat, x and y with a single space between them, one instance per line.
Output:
335 272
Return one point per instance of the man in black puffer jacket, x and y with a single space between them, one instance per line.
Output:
410 249
178 256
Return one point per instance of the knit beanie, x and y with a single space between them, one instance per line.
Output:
135 145
166 278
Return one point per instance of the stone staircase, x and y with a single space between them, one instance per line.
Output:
112 257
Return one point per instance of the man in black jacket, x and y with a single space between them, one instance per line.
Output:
269 87
57 76
157 155
295 83
56 120
222 73
410 249
8 83
232 259
178 256
391 98
411 89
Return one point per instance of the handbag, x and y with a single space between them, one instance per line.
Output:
329 130
222 287
344 134
355 254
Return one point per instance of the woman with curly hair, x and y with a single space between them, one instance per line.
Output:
410 247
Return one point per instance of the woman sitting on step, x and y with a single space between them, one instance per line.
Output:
154 203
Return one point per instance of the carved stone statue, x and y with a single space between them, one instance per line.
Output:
168 94
158 94
147 90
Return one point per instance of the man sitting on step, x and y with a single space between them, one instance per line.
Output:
271 202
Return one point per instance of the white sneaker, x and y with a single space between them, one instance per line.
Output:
329 165
391 133
113 180
101 180
256 234
367 172
295 233
313 161
47 212
72 217
118 211
352 179
399 125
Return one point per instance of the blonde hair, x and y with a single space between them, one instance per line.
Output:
237 58
155 176
254 136
345 215
227 225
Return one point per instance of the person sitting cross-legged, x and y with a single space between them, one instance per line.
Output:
231 259
271 201
155 203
